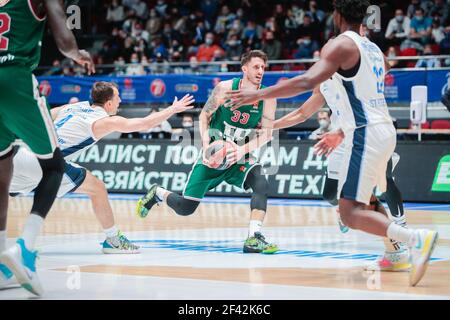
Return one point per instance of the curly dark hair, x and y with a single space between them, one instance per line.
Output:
353 11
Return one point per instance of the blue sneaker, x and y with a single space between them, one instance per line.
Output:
119 244
22 262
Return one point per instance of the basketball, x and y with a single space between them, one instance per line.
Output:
217 152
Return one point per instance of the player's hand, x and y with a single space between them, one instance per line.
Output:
237 98
84 58
235 155
182 105
328 142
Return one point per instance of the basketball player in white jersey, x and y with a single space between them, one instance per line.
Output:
79 126
367 129
396 256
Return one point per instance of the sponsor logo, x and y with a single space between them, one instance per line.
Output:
157 88
45 88
128 83
389 79
70 88
441 181
186 87
446 86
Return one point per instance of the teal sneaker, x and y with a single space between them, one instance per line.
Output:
22 263
119 244
145 203
258 244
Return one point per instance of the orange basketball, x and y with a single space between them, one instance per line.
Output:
217 152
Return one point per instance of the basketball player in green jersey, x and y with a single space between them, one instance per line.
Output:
25 115
218 122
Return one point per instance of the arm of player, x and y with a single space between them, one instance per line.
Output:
105 126
264 134
64 38
338 53
309 108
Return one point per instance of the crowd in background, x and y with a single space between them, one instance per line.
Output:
144 36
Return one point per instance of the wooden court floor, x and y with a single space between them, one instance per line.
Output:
204 249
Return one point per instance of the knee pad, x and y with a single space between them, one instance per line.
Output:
330 191
182 206
55 164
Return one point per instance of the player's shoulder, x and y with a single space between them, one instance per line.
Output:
225 84
339 46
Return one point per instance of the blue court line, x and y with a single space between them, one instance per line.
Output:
272 202
214 246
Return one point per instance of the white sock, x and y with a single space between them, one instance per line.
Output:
2 240
111 232
255 226
160 192
400 233
31 230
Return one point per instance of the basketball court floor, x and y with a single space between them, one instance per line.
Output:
200 256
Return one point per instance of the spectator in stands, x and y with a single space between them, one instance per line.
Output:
437 31
115 14
160 65
440 9
306 48
135 68
55 69
209 7
290 28
415 5
158 46
217 57
421 27
153 24
128 48
299 13
323 118
310 29
252 32
119 66
392 53
316 14
130 21
428 63
139 33
271 46
224 20
194 67
234 48
398 28
188 121
162 7
207 50
141 9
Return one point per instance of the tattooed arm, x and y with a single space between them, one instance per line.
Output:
213 103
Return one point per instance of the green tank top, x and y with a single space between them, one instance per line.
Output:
20 34
236 125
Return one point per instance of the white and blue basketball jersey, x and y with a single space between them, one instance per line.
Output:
74 127
331 91
363 101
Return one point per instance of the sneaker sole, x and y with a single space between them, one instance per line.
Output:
422 268
118 251
21 275
139 204
404 267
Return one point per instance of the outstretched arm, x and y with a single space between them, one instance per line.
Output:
105 126
341 52
303 113
64 38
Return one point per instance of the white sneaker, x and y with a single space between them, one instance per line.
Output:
424 244
22 262
6 277
119 244
392 261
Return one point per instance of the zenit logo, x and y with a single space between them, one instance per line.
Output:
441 181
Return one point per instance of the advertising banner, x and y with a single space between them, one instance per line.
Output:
293 171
